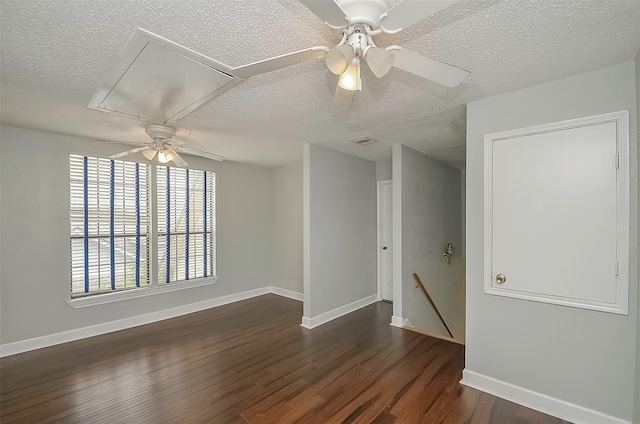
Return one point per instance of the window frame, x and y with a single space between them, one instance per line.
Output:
154 286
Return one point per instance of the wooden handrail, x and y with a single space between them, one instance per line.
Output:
426 293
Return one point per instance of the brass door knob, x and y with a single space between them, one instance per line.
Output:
500 278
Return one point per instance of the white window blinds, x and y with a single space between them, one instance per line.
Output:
110 225
186 224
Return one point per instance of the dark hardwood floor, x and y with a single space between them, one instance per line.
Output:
251 362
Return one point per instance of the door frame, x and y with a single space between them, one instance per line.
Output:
379 185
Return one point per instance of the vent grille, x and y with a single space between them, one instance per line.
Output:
363 141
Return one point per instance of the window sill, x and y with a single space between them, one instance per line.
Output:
102 299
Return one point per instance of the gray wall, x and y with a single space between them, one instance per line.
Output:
637 398
341 248
34 246
431 213
287 202
383 170
576 355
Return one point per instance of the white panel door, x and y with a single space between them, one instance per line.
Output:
386 241
553 210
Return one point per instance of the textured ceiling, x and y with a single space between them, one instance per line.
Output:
55 53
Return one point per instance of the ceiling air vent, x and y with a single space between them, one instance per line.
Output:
363 141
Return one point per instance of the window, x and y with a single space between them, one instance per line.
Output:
109 218
114 234
185 224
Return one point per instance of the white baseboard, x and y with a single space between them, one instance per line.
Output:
396 321
549 405
108 327
286 293
306 322
338 312
407 323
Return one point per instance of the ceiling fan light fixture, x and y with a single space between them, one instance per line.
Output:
338 58
149 153
379 60
166 155
350 79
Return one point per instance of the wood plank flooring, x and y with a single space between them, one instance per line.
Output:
251 362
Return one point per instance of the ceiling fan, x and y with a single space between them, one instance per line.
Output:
359 21
166 146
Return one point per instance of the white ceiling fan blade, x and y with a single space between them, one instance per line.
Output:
198 152
118 142
409 12
342 100
328 11
278 62
127 153
179 161
428 68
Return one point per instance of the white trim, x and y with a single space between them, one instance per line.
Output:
621 304
549 405
306 323
108 327
101 299
407 323
286 293
306 228
313 322
396 321
378 234
396 170
153 226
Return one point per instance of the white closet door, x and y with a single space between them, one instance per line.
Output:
553 216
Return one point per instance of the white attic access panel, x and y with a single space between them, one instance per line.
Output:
557 213
159 81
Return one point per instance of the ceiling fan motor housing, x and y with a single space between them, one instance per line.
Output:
366 12
160 131
358 40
